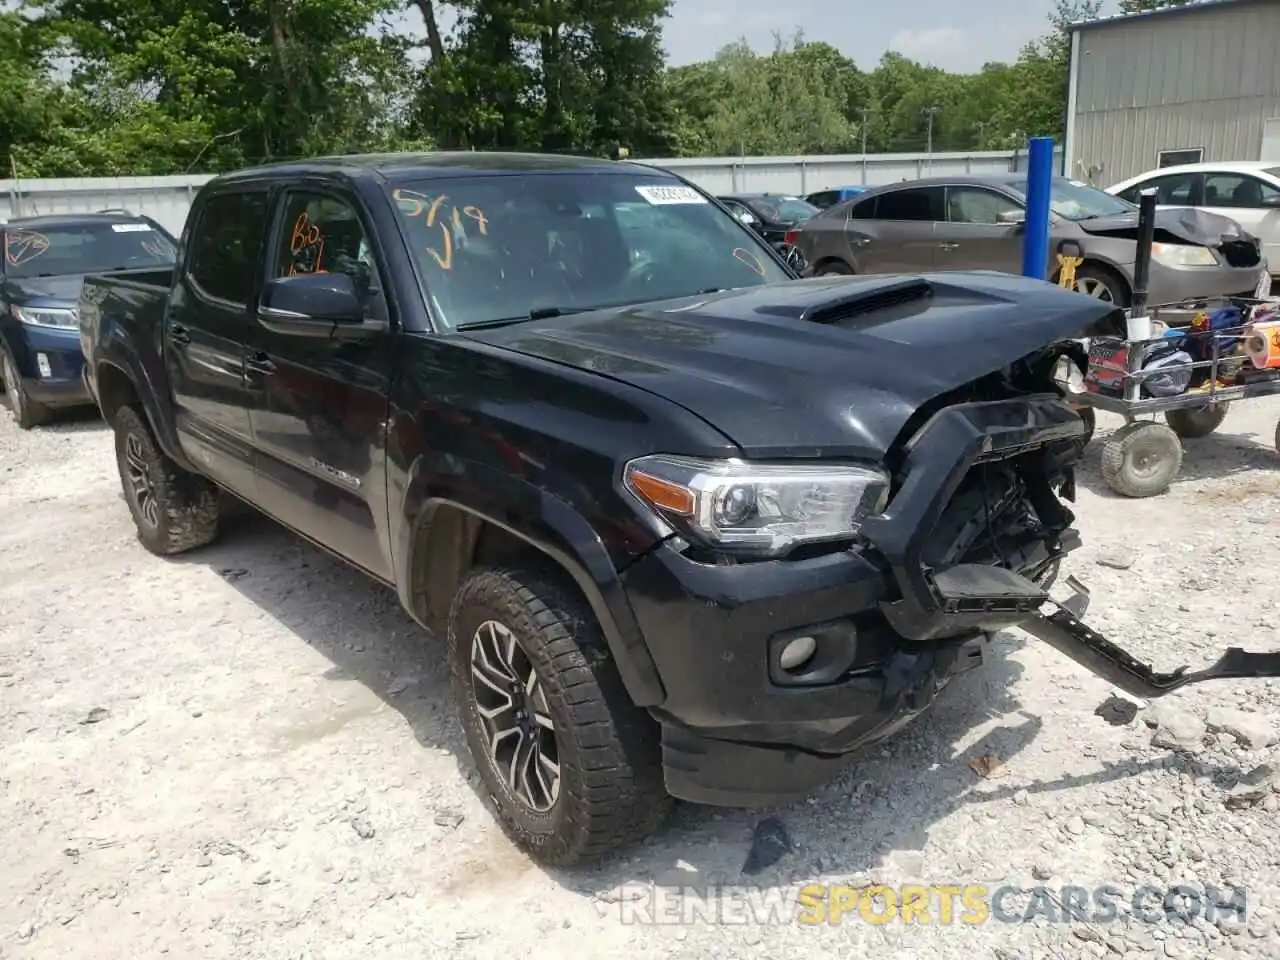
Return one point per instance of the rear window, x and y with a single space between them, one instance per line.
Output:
493 248
80 248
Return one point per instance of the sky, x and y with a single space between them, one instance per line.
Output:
960 37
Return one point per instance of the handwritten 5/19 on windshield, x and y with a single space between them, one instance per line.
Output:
414 204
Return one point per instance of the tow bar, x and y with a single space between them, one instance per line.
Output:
1069 635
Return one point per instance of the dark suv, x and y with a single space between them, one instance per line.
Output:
45 259
683 525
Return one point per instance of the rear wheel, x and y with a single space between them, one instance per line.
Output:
174 510
1192 423
572 765
26 413
834 268
1141 459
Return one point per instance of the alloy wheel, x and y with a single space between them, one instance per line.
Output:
142 486
513 709
1093 287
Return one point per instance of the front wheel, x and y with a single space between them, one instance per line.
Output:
572 765
174 510
26 413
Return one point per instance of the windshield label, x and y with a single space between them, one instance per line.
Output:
130 228
662 196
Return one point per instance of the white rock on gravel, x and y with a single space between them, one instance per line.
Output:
326 714
1253 730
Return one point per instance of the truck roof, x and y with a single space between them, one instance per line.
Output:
439 164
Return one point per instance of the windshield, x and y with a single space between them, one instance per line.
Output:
79 248
497 248
784 209
1073 200
1272 171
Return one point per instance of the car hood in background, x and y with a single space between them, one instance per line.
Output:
826 367
1173 225
43 291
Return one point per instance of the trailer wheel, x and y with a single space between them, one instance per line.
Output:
1141 459
1191 423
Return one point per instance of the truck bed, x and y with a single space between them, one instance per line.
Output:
123 311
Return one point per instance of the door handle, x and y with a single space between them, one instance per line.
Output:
949 246
179 334
260 363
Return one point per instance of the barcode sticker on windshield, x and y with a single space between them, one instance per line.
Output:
130 228
660 196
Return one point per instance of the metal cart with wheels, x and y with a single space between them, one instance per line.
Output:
1143 457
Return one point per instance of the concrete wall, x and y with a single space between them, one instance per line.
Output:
1199 77
166 199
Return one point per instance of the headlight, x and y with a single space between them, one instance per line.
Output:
763 508
1183 255
47 317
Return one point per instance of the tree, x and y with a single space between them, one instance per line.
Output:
1142 6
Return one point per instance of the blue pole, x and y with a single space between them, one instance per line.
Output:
1035 237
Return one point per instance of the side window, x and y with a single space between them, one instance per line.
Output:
916 203
975 205
320 233
1238 190
824 200
226 247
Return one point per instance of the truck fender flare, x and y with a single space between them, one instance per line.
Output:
442 536
117 353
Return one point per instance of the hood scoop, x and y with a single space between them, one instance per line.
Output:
855 298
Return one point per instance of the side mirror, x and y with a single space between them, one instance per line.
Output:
323 305
1271 201
747 218
1015 218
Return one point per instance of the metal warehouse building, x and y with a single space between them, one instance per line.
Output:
1178 85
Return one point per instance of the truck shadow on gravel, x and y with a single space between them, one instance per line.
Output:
873 821
1219 456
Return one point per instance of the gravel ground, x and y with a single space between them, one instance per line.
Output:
250 752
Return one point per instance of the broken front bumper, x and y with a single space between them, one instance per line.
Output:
952 602
890 630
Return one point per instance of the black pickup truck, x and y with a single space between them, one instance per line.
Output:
687 525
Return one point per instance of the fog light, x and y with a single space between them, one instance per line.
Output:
797 653
42 363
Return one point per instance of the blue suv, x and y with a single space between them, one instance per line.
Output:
45 260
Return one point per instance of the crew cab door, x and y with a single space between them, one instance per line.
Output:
320 405
209 318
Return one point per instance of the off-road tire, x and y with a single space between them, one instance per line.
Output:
1141 459
1192 423
186 505
611 790
26 413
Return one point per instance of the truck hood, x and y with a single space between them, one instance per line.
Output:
827 367
1173 225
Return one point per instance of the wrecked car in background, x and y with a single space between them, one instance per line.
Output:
683 525
976 223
